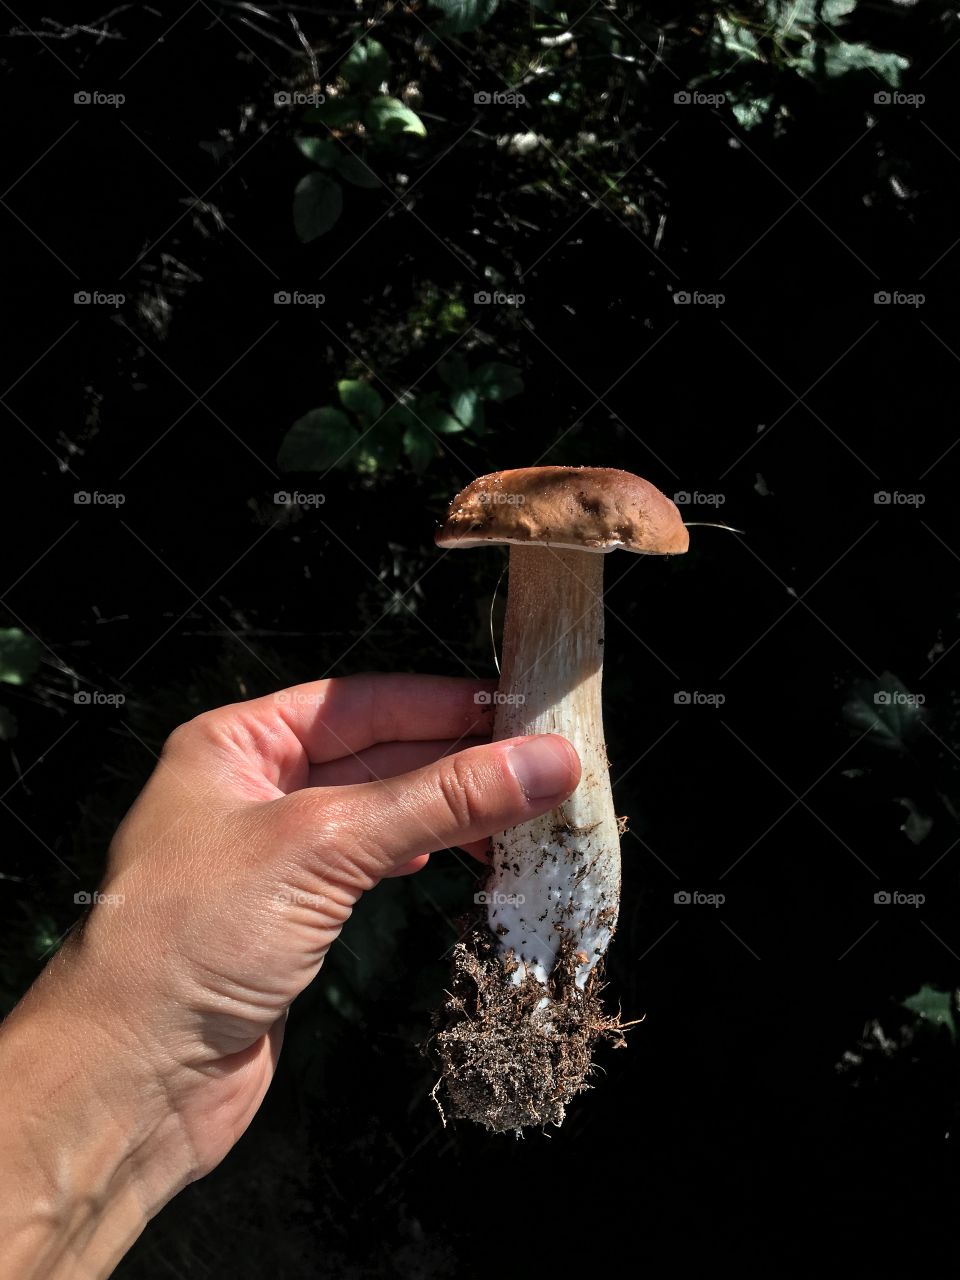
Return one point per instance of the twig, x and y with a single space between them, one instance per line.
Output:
79 28
311 55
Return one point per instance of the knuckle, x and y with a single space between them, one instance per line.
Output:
301 824
462 792
204 729
322 837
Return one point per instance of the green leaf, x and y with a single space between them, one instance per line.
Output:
389 115
934 1006
317 204
463 15
885 711
322 151
360 397
19 656
737 39
335 113
366 64
496 381
8 725
833 10
382 447
467 406
419 446
441 421
749 111
319 440
842 57
916 826
453 372
353 169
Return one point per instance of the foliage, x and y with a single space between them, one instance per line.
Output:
355 112
365 435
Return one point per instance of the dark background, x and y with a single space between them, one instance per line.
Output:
780 1090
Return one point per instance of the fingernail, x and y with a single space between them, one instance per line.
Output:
541 766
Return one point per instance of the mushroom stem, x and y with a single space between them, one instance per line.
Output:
556 880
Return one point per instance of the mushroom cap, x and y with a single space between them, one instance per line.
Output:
580 508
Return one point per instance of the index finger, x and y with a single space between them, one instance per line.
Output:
327 719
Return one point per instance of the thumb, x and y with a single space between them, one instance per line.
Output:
457 799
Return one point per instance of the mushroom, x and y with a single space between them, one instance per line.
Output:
518 1029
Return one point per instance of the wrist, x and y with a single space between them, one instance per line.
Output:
91 1147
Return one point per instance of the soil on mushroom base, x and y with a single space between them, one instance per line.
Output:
507 1063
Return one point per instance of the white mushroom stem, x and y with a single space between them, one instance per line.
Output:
556 879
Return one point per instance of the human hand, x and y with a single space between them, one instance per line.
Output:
160 1021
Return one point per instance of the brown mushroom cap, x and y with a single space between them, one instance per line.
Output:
586 508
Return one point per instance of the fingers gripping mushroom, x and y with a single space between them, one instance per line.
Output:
518 1029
